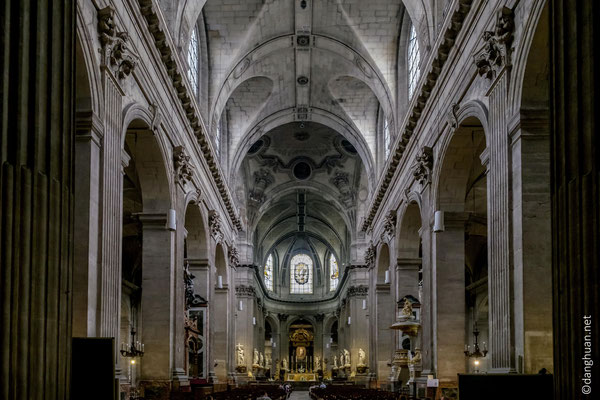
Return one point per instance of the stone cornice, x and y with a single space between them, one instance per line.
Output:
428 81
245 291
360 290
174 68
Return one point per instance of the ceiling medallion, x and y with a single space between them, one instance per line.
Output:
302 171
302 80
303 40
301 136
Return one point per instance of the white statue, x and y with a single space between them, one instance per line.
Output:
268 361
239 348
284 364
317 363
346 358
335 362
255 359
342 359
361 357
262 360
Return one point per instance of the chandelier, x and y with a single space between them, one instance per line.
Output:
477 352
133 349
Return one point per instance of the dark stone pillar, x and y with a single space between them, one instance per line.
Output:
36 190
575 195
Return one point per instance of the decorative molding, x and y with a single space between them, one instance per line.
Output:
496 52
156 117
214 222
116 52
282 317
319 317
171 62
341 181
389 223
453 115
424 165
429 80
234 258
184 170
245 291
262 180
360 290
370 255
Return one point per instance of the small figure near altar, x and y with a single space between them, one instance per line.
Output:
335 362
361 357
317 363
346 358
284 364
261 360
255 359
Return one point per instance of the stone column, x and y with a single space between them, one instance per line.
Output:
449 301
500 270
85 285
407 277
219 333
36 192
575 192
427 300
179 374
157 298
385 346
244 328
532 238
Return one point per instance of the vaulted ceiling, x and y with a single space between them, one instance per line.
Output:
298 85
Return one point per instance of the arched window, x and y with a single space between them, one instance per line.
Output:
269 273
334 269
414 59
386 137
301 274
192 60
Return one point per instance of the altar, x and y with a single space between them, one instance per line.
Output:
301 377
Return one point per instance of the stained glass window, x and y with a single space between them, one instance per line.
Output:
301 274
269 273
192 59
414 59
335 273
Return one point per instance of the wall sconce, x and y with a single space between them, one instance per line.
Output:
438 221
241 306
253 320
220 282
387 277
327 345
274 345
364 304
330 340
171 220
349 320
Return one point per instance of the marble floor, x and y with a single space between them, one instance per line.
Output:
299 395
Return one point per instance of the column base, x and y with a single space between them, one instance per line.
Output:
180 378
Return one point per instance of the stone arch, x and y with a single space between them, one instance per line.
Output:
197 240
383 262
221 262
321 116
409 240
153 171
462 150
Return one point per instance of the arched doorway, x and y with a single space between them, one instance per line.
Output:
460 247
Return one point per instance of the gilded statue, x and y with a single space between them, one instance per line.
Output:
407 311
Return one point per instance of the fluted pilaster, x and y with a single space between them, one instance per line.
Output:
36 190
